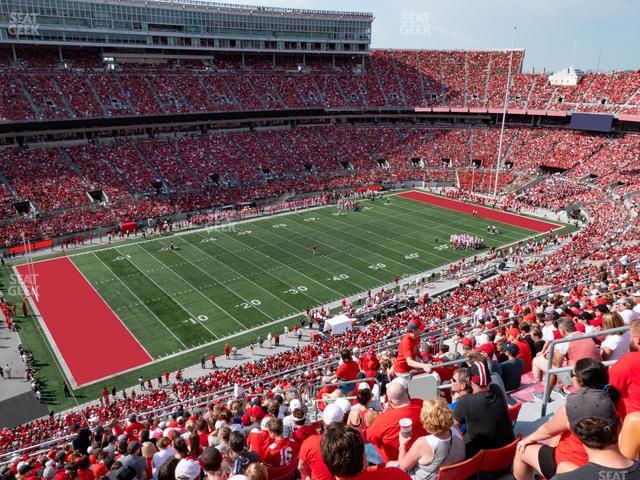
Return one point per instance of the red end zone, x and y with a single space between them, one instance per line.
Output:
80 324
538 226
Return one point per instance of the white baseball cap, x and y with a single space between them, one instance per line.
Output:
295 403
187 470
332 414
344 404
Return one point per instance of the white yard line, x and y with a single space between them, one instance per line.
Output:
473 221
275 260
338 251
262 240
139 300
359 259
194 317
240 275
509 235
395 240
195 289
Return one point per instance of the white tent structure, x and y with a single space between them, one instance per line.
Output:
338 324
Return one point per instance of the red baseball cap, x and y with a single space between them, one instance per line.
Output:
485 348
596 322
256 411
466 342
514 332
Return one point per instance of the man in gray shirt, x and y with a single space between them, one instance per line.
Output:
135 461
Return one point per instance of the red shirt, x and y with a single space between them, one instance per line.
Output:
133 430
85 474
624 375
370 365
382 474
348 371
408 349
301 434
99 470
570 449
281 453
258 441
204 440
311 455
525 355
383 432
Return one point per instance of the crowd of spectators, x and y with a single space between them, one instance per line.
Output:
555 193
144 179
262 418
79 86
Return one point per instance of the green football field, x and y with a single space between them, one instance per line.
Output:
237 282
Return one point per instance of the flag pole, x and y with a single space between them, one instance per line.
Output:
504 113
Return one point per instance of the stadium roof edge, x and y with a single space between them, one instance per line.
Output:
208 5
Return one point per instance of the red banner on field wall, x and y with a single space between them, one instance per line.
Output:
370 188
128 227
31 247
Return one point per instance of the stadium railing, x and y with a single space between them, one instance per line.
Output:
551 370
315 401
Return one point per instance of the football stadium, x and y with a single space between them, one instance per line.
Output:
247 241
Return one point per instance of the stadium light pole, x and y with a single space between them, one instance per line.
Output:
504 113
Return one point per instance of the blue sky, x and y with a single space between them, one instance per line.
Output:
554 33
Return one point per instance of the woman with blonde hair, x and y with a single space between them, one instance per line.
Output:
615 344
443 446
256 471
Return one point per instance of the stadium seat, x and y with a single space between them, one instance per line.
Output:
463 470
498 461
514 411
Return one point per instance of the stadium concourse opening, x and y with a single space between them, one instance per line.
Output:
538 226
70 310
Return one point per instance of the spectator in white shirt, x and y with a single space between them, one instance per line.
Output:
624 307
616 344
548 329
636 300
165 452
